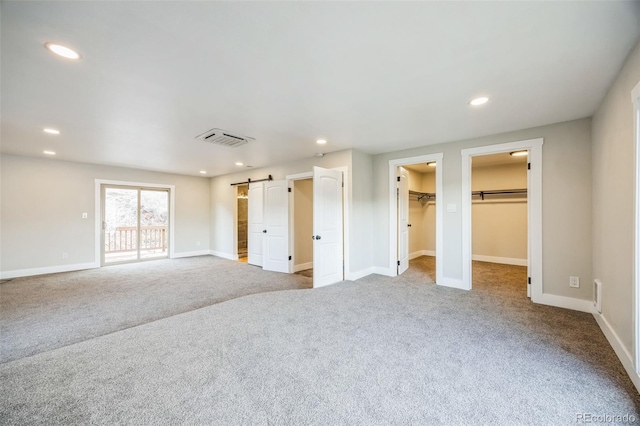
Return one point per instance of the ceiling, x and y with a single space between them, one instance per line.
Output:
374 76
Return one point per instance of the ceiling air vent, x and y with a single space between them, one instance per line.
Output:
224 138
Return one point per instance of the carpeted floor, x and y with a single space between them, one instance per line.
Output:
50 311
376 351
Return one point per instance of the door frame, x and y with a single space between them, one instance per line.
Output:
345 216
393 213
292 225
98 212
534 209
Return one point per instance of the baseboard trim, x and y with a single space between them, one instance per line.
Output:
384 271
223 255
503 260
618 348
419 253
352 276
191 254
453 283
302 266
566 302
5 275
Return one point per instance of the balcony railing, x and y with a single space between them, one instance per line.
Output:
125 239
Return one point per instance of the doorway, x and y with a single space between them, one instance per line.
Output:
242 196
302 227
499 223
534 210
417 219
135 224
416 216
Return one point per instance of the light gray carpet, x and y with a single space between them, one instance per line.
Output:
373 352
50 311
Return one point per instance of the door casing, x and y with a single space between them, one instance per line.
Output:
392 270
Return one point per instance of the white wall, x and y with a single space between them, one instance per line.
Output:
566 214
43 201
359 193
613 200
361 221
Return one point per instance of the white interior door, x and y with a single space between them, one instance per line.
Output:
276 225
403 220
255 213
327 227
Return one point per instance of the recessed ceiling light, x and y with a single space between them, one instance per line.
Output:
239 163
321 141
203 172
431 164
479 101
49 152
519 153
63 51
52 131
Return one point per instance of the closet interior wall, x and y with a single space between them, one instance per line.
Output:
422 214
302 224
499 222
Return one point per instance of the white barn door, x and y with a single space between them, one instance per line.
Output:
327 227
276 226
403 220
255 210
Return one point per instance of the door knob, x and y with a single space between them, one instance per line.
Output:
409 225
313 237
264 231
318 237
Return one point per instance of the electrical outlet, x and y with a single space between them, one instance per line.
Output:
65 255
574 282
84 215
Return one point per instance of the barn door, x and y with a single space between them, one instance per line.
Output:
255 210
276 226
327 227
403 220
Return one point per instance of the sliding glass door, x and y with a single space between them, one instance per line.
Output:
135 224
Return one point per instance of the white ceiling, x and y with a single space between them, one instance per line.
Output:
375 76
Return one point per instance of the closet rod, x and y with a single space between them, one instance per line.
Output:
481 194
421 195
270 178
498 192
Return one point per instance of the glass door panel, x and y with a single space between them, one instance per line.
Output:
120 225
154 223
